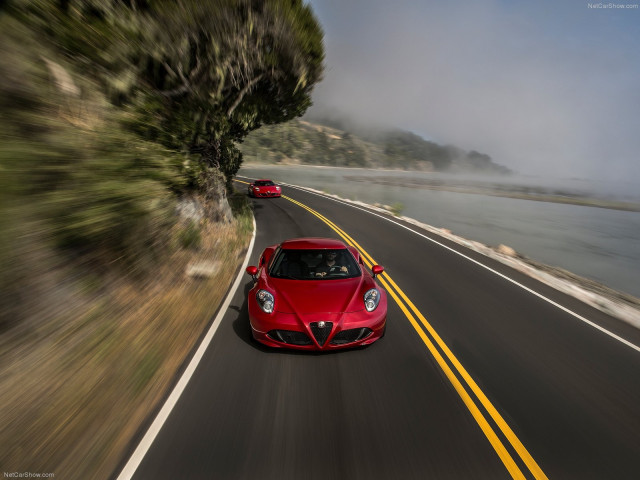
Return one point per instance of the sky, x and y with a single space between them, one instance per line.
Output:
543 87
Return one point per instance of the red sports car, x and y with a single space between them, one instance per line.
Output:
315 294
264 188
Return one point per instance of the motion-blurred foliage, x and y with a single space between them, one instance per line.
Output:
111 109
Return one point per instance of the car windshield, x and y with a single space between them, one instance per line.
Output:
264 183
318 264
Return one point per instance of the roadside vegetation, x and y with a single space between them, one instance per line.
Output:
397 208
120 229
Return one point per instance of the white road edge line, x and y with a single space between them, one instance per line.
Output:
539 295
143 447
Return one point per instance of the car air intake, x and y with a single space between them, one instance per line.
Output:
350 336
321 331
290 337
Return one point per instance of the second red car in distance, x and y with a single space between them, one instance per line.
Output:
315 294
264 188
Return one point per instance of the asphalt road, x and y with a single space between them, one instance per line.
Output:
476 378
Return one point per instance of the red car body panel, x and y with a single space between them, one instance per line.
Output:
299 305
301 296
264 188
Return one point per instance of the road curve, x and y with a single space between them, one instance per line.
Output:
477 377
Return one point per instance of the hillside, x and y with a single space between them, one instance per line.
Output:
307 143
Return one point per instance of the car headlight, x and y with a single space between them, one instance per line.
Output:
371 299
265 300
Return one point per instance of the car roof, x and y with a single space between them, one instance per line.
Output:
312 243
263 180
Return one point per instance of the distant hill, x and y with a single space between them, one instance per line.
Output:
306 143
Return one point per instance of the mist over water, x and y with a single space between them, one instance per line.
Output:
627 190
544 88
597 243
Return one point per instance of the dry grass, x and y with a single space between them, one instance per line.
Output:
76 385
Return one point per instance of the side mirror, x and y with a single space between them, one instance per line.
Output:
253 271
377 270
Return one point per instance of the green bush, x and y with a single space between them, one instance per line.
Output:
397 208
190 236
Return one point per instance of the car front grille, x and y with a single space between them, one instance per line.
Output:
350 336
321 334
290 337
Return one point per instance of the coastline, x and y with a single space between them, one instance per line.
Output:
514 192
474 187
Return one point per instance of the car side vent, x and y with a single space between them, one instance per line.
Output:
350 336
321 331
290 337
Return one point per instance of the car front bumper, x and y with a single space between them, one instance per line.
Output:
266 194
346 330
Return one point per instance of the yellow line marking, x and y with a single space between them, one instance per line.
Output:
391 287
511 436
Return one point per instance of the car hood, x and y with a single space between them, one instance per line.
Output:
318 296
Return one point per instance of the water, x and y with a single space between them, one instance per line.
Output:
596 243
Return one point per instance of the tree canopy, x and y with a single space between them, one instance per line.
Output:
193 75
210 72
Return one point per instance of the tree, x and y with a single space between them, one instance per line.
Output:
216 70
194 75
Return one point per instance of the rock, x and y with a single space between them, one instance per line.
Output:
215 196
63 79
505 250
189 208
202 269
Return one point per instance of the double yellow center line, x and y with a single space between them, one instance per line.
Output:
431 338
